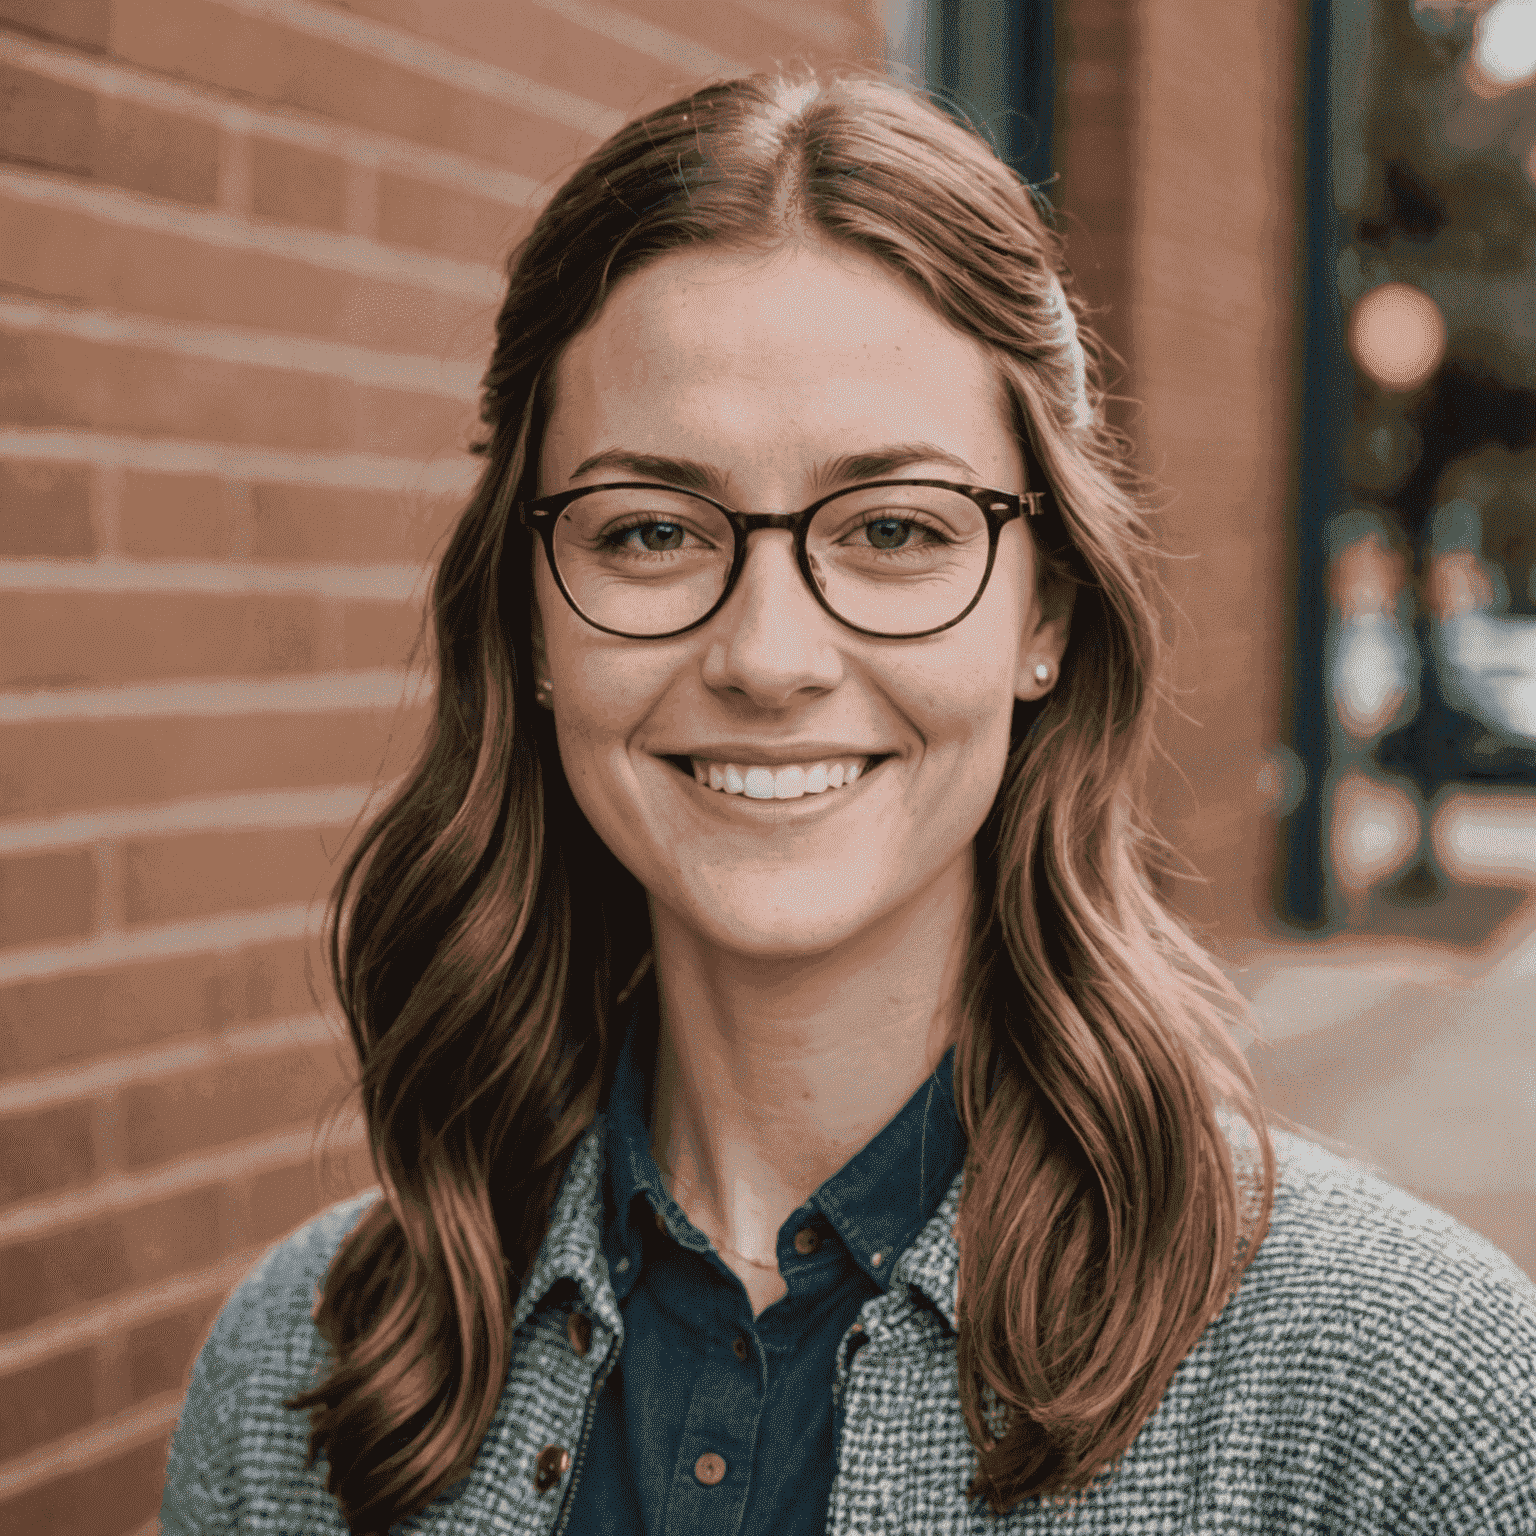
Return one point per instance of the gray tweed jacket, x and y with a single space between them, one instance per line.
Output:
1374 1372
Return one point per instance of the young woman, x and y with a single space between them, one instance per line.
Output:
793 1107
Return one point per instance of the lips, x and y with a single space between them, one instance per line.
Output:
776 781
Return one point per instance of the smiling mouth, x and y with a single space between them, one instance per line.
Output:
789 781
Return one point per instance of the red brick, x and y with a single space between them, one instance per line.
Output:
317 522
70 1019
44 509
87 23
429 217
109 1498
231 1100
46 1401
60 381
280 1199
43 122
46 895
45 1150
53 766
379 634
87 639
748 36
162 153
77 257
1213 259
295 185
113 1252
203 41
66 1269
158 1355
543 46
189 516
184 516
166 878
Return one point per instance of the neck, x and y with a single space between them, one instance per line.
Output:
773 1072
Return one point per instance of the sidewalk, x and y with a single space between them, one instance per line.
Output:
1417 1056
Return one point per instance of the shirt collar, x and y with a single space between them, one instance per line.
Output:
573 1247
630 1169
878 1202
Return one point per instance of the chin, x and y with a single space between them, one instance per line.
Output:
777 920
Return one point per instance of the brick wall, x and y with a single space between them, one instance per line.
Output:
248 260
1178 158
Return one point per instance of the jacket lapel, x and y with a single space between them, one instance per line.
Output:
543 1407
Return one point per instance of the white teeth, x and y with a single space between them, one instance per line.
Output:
759 783
787 783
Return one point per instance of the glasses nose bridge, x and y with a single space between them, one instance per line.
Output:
753 522
748 523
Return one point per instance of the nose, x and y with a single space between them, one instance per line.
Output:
772 640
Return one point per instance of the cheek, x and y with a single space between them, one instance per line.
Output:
965 721
602 698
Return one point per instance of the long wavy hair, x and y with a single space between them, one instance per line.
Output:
482 934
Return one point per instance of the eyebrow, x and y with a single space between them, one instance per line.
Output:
692 475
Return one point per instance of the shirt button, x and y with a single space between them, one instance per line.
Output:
739 1346
709 1469
807 1240
550 1467
578 1329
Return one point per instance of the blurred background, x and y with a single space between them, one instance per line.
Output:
249 258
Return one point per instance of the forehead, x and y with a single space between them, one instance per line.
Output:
806 349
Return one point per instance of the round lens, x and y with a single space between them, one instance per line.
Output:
643 562
899 559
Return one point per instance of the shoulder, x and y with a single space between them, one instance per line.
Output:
1344 1239
1375 1324
236 1443
276 1299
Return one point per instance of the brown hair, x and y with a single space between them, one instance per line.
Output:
480 934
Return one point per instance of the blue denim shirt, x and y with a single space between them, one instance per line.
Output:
698 1376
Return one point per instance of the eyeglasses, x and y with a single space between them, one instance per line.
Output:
895 559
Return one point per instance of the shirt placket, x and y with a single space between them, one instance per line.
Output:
712 1477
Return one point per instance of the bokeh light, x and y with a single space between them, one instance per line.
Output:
1375 830
1397 335
1504 48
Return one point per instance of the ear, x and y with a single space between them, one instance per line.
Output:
1045 638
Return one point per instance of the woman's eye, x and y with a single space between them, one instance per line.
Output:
654 537
659 536
889 532
898 532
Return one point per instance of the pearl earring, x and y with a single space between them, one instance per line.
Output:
1042 672
544 692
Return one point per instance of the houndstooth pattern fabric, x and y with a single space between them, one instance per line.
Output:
1374 1372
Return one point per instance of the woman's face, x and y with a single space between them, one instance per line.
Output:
765 369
